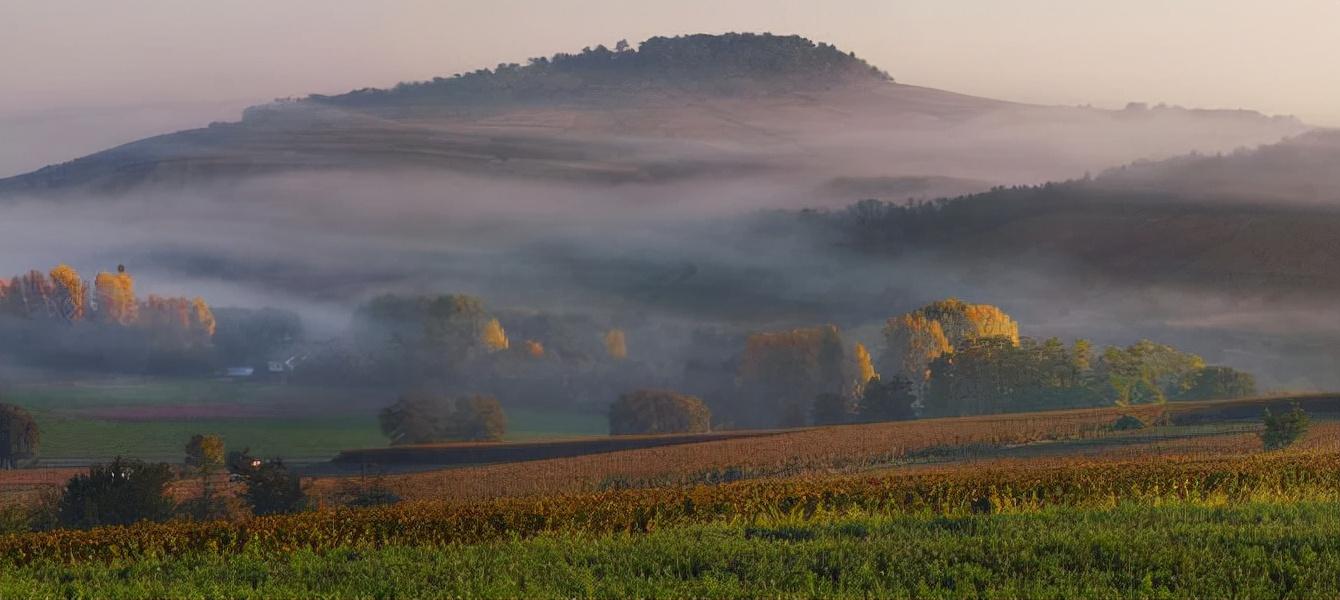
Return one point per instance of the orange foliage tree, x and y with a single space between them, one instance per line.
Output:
915 339
615 344
116 297
70 295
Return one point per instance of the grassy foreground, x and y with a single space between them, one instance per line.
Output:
1179 550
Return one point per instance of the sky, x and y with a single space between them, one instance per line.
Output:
86 74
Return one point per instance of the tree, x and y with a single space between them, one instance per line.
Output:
204 452
1215 383
615 344
272 489
1285 429
421 417
781 372
915 339
891 400
493 337
426 337
19 436
116 297
205 455
658 411
118 493
478 418
1147 373
832 409
71 297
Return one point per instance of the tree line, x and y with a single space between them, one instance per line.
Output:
58 319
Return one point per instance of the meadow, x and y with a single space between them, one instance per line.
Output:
151 418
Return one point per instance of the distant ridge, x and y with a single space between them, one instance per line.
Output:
803 115
728 63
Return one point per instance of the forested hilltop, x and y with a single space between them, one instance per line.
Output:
702 62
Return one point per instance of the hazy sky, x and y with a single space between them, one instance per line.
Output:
173 63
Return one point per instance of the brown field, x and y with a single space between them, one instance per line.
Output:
1192 431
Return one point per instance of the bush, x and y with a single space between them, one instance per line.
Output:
658 411
119 493
1284 429
1128 423
273 489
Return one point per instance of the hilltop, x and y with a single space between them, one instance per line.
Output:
716 108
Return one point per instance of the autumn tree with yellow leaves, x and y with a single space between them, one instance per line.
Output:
915 339
115 293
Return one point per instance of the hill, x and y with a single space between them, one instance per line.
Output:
716 107
1257 221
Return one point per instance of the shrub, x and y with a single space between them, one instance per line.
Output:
273 489
119 493
1284 429
658 411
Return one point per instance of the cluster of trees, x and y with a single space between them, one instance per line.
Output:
969 359
59 318
62 295
658 411
729 61
423 417
781 373
126 491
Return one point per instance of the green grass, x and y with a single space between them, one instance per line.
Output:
309 422
1178 550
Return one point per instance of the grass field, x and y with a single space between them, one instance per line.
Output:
152 418
1255 550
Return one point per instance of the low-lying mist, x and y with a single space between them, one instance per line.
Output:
658 260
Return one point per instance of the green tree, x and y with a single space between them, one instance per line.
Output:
1283 430
19 436
1216 383
118 493
893 399
658 411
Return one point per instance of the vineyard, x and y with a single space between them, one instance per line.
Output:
1289 476
964 485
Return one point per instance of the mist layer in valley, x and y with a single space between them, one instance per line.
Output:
669 209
